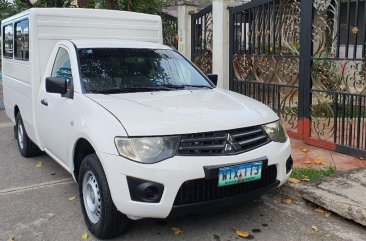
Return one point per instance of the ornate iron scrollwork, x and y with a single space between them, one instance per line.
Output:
202 44
338 80
269 69
204 61
243 67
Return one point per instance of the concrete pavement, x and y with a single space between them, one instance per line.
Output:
304 156
34 206
344 194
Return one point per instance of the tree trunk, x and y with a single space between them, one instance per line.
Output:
83 3
111 4
129 5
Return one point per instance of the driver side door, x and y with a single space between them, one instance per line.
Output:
55 115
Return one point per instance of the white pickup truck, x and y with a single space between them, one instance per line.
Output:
143 131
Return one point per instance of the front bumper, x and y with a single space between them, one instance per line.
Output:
222 202
173 172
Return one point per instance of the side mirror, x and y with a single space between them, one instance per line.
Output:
213 78
56 85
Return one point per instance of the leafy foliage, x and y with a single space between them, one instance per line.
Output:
312 174
9 8
51 3
143 6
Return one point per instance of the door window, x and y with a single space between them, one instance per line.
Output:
8 41
62 69
22 40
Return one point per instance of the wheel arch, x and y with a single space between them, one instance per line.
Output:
82 148
16 111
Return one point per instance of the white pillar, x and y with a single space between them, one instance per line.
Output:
185 9
220 50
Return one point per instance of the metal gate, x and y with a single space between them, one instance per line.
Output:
201 44
306 60
170 29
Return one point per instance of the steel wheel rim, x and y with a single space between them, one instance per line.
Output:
91 197
20 136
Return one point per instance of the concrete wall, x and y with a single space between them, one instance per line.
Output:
220 46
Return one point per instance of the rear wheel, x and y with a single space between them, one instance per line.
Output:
100 214
26 147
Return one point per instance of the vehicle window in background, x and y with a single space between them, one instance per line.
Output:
62 68
22 40
104 69
8 41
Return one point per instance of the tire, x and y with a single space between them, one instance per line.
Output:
100 214
26 146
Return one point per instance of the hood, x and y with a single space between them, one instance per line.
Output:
184 111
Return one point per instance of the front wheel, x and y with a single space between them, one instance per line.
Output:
100 214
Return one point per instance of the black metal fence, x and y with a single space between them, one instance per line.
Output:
338 74
306 60
170 30
201 45
264 59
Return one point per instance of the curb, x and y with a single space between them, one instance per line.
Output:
332 202
295 191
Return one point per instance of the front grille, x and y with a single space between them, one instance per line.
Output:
201 190
213 143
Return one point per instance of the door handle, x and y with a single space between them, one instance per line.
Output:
44 102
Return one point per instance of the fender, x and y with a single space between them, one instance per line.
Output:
94 124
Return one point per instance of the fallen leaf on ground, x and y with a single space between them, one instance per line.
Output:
315 228
242 234
327 235
304 150
287 201
39 164
294 180
319 161
308 162
176 230
72 198
275 201
85 236
327 214
319 210
305 179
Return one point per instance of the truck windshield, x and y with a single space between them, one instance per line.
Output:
111 70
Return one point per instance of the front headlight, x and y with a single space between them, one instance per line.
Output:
147 149
276 131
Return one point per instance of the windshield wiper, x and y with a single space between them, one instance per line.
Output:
198 86
132 89
172 86
185 86
147 89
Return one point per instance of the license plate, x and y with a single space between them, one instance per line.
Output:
241 173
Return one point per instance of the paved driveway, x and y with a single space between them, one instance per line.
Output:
34 206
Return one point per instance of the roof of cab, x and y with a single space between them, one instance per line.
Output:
110 43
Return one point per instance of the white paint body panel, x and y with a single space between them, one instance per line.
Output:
47 26
173 172
184 111
100 118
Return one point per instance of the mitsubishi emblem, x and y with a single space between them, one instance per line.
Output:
231 145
